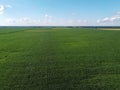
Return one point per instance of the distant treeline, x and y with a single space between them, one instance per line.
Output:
59 26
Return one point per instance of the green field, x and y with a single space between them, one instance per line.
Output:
59 59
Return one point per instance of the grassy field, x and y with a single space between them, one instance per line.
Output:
59 59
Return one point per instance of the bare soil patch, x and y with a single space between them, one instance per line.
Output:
110 29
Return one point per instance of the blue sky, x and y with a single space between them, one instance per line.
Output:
59 12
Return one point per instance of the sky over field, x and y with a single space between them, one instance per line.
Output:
59 12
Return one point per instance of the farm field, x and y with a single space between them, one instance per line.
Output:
59 59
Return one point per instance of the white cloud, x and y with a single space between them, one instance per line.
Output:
4 7
114 18
75 22
118 13
74 14
47 20
8 6
24 20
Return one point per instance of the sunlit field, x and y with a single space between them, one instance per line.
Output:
59 59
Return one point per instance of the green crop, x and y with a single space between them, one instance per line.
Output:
59 59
